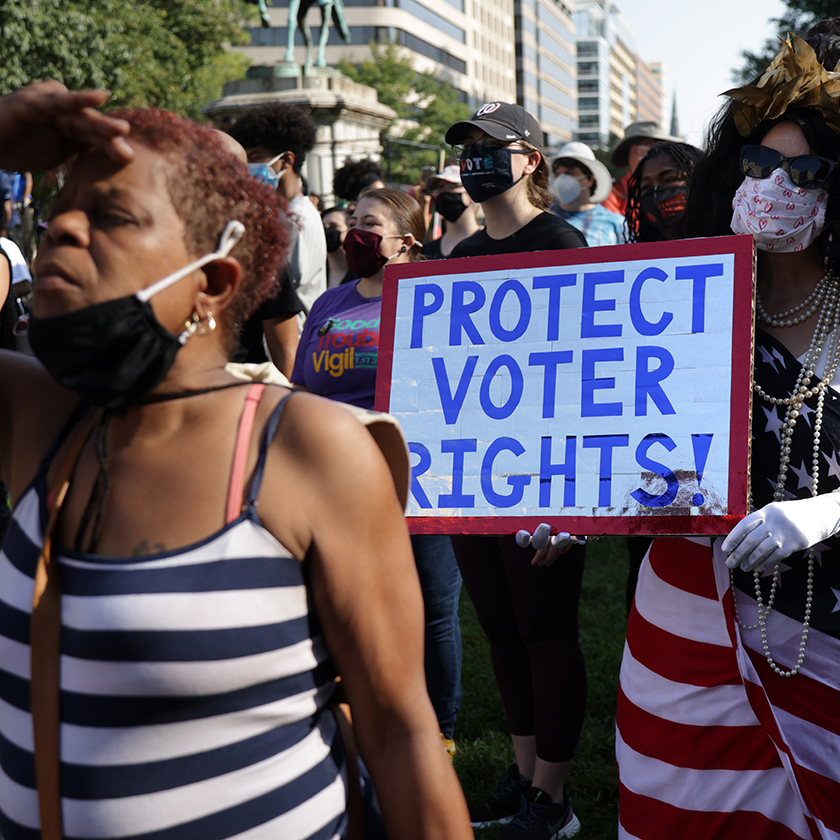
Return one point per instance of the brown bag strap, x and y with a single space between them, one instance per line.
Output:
45 648
355 805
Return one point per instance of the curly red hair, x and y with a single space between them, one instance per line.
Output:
208 188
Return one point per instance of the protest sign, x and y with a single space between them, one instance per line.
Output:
602 390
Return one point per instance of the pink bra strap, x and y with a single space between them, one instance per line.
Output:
240 452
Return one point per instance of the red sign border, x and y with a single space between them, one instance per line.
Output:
740 427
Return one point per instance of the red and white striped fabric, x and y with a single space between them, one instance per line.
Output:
711 743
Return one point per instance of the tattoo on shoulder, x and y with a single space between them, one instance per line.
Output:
145 547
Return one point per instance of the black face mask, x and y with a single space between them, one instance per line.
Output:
450 205
488 174
333 236
114 353
663 206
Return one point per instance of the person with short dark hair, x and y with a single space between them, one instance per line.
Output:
355 176
277 137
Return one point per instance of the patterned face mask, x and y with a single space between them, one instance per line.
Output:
779 215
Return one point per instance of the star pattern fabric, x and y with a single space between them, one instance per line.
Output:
776 370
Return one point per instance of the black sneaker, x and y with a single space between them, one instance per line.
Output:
540 818
503 805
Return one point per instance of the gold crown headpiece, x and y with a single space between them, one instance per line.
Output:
795 78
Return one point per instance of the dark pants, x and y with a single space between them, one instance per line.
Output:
530 616
441 584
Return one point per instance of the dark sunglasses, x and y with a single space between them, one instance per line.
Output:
806 171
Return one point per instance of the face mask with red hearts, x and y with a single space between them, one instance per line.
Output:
779 215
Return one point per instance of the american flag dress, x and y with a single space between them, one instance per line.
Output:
711 742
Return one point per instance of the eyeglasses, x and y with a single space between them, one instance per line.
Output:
486 146
806 171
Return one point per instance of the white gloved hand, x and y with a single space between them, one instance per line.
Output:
768 535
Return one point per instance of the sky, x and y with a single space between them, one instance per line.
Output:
699 43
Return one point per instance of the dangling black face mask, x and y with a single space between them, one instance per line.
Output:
114 353
450 205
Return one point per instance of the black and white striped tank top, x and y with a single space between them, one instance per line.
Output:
194 686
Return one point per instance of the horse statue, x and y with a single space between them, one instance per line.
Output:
298 10
330 9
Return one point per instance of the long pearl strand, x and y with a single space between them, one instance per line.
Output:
827 293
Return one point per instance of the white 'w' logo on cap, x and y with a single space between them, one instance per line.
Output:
488 108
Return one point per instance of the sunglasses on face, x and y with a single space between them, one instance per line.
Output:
486 146
806 171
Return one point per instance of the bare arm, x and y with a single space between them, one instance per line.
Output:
368 599
281 336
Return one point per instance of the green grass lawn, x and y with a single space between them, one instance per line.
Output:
484 748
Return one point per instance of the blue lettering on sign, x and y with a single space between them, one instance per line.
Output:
421 467
699 274
496 311
555 283
650 465
501 412
457 498
517 482
591 305
640 323
549 361
648 381
452 404
606 443
460 317
422 309
590 384
548 470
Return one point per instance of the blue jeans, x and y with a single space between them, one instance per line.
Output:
440 581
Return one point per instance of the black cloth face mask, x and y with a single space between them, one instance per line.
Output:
663 206
487 173
450 205
114 353
333 237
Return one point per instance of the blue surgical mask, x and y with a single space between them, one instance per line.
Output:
264 172
486 173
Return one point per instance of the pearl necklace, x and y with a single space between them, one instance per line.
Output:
810 305
827 324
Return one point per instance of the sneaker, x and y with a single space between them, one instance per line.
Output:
449 746
502 805
540 818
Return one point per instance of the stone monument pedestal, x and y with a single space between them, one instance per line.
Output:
349 116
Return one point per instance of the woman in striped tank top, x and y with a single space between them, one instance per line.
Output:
204 585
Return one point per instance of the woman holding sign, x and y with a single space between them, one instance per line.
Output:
527 604
730 685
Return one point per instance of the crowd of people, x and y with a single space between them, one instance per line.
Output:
205 553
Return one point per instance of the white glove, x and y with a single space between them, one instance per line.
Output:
768 535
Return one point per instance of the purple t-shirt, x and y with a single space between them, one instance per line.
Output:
339 347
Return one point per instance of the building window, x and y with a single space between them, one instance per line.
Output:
589 121
588 86
588 103
587 68
587 49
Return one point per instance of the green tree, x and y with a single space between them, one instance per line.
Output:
798 18
155 52
426 106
